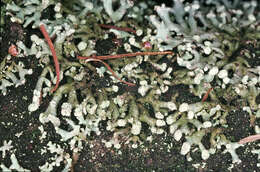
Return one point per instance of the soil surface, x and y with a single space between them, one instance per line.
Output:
161 154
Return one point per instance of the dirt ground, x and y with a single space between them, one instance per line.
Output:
161 154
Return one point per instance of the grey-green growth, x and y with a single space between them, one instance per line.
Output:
204 41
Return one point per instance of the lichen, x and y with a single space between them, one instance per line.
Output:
212 45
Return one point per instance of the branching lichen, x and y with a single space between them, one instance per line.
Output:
211 48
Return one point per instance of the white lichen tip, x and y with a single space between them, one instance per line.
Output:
117 146
213 71
251 17
164 88
82 46
136 128
211 14
117 14
226 80
177 135
139 32
121 122
129 67
162 67
104 104
133 42
6 147
120 100
115 88
207 124
222 74
245 79
184 107
205 154
57 7
143 89
108 144
171 106
36 101
173 128
190 115
78 112
159 131
33 107
36 40
198 78
185 148
160 123
15 164
231 147
159 115
66 109
143 82
169 120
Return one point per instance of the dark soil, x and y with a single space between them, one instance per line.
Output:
162 154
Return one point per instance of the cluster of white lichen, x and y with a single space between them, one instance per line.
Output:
8 77
191 28
28 11
202 53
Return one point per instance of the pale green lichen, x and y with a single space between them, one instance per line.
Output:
8 77
31 13
206 41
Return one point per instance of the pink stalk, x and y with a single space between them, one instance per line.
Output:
126 55
249 139
126 29
109 68
55 58
206 95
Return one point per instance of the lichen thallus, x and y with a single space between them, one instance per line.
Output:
94 58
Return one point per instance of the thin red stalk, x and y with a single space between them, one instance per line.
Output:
55 58
126 29
126 55
249 139
206 95
109 68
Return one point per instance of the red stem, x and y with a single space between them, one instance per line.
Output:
206 95
55 58
249 139
126 29
126 55
109 68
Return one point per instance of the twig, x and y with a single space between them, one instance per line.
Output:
126 29
109 68
55 58
206 95
126 55
249 139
